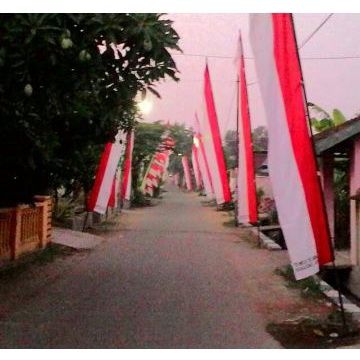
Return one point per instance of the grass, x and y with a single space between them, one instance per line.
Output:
309 287
230 223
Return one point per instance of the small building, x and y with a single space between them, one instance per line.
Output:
339 148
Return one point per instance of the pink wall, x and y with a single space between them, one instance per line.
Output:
327 175
354 207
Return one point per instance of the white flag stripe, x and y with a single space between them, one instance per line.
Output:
242 185
186 168
289 197
210 155
154 172
129 181
195 162
205 175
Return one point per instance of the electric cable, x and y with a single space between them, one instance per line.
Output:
315 31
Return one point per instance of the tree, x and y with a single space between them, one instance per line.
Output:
260 138
231 149
183 147
61 99
146 141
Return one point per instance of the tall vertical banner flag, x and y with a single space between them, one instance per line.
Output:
291 159
213 146
126 183
246 188
105 175
187 175
203 163
155 172
196 168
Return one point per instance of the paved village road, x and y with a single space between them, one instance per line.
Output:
171 276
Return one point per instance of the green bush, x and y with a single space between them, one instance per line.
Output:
64 209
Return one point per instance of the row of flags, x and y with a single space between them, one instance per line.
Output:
291 159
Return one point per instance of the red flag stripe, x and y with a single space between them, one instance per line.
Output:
246 147
112 196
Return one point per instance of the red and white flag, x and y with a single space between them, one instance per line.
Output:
203 163
196 168
246 187
213 145
187 174
291 159
155 172
105 175
127 180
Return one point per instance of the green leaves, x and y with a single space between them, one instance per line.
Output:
326 121
60 96
338 117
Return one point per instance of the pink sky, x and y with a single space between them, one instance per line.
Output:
329 83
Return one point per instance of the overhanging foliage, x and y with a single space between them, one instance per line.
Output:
61 100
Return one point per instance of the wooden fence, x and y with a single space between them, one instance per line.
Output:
25 228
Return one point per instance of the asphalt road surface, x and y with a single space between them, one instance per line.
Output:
171 276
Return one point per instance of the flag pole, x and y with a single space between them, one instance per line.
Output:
336 270
85 221
236 208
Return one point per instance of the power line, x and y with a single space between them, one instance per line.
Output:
315 31
345 57
203 56
332 57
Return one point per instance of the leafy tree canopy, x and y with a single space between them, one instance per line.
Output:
183 147
260 138
61 99
230 149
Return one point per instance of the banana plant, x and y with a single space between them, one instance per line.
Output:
326 120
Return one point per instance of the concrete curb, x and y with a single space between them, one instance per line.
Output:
333 296
325 288
75 239
265 241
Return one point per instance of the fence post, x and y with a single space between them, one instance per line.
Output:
16 232
45 203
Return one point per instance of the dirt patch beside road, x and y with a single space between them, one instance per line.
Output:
297 313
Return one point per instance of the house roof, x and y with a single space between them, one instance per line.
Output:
338 138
